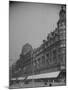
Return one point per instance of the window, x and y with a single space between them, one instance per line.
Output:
38 63
63 43
61 50
56 38
54 56
43 60
47 55
62 27
62 59
62 35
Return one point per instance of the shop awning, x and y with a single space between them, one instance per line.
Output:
40 76
21 78
45 75
13 79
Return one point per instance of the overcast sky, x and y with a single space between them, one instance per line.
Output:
30 23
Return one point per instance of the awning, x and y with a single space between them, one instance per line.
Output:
39 76
13 79
45 75
21 78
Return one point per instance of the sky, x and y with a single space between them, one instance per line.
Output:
30 23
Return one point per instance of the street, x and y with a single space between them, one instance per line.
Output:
36 84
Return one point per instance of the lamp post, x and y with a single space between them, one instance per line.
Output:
32 59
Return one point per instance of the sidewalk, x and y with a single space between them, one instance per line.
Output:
36 84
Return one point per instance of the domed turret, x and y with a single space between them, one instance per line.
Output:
26 48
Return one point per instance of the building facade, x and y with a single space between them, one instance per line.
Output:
50 56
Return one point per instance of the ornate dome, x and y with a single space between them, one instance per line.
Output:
26 48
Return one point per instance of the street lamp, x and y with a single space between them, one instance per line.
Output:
32 59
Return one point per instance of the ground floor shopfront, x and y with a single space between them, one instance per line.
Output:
57 78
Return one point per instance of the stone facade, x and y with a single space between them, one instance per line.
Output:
50 56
